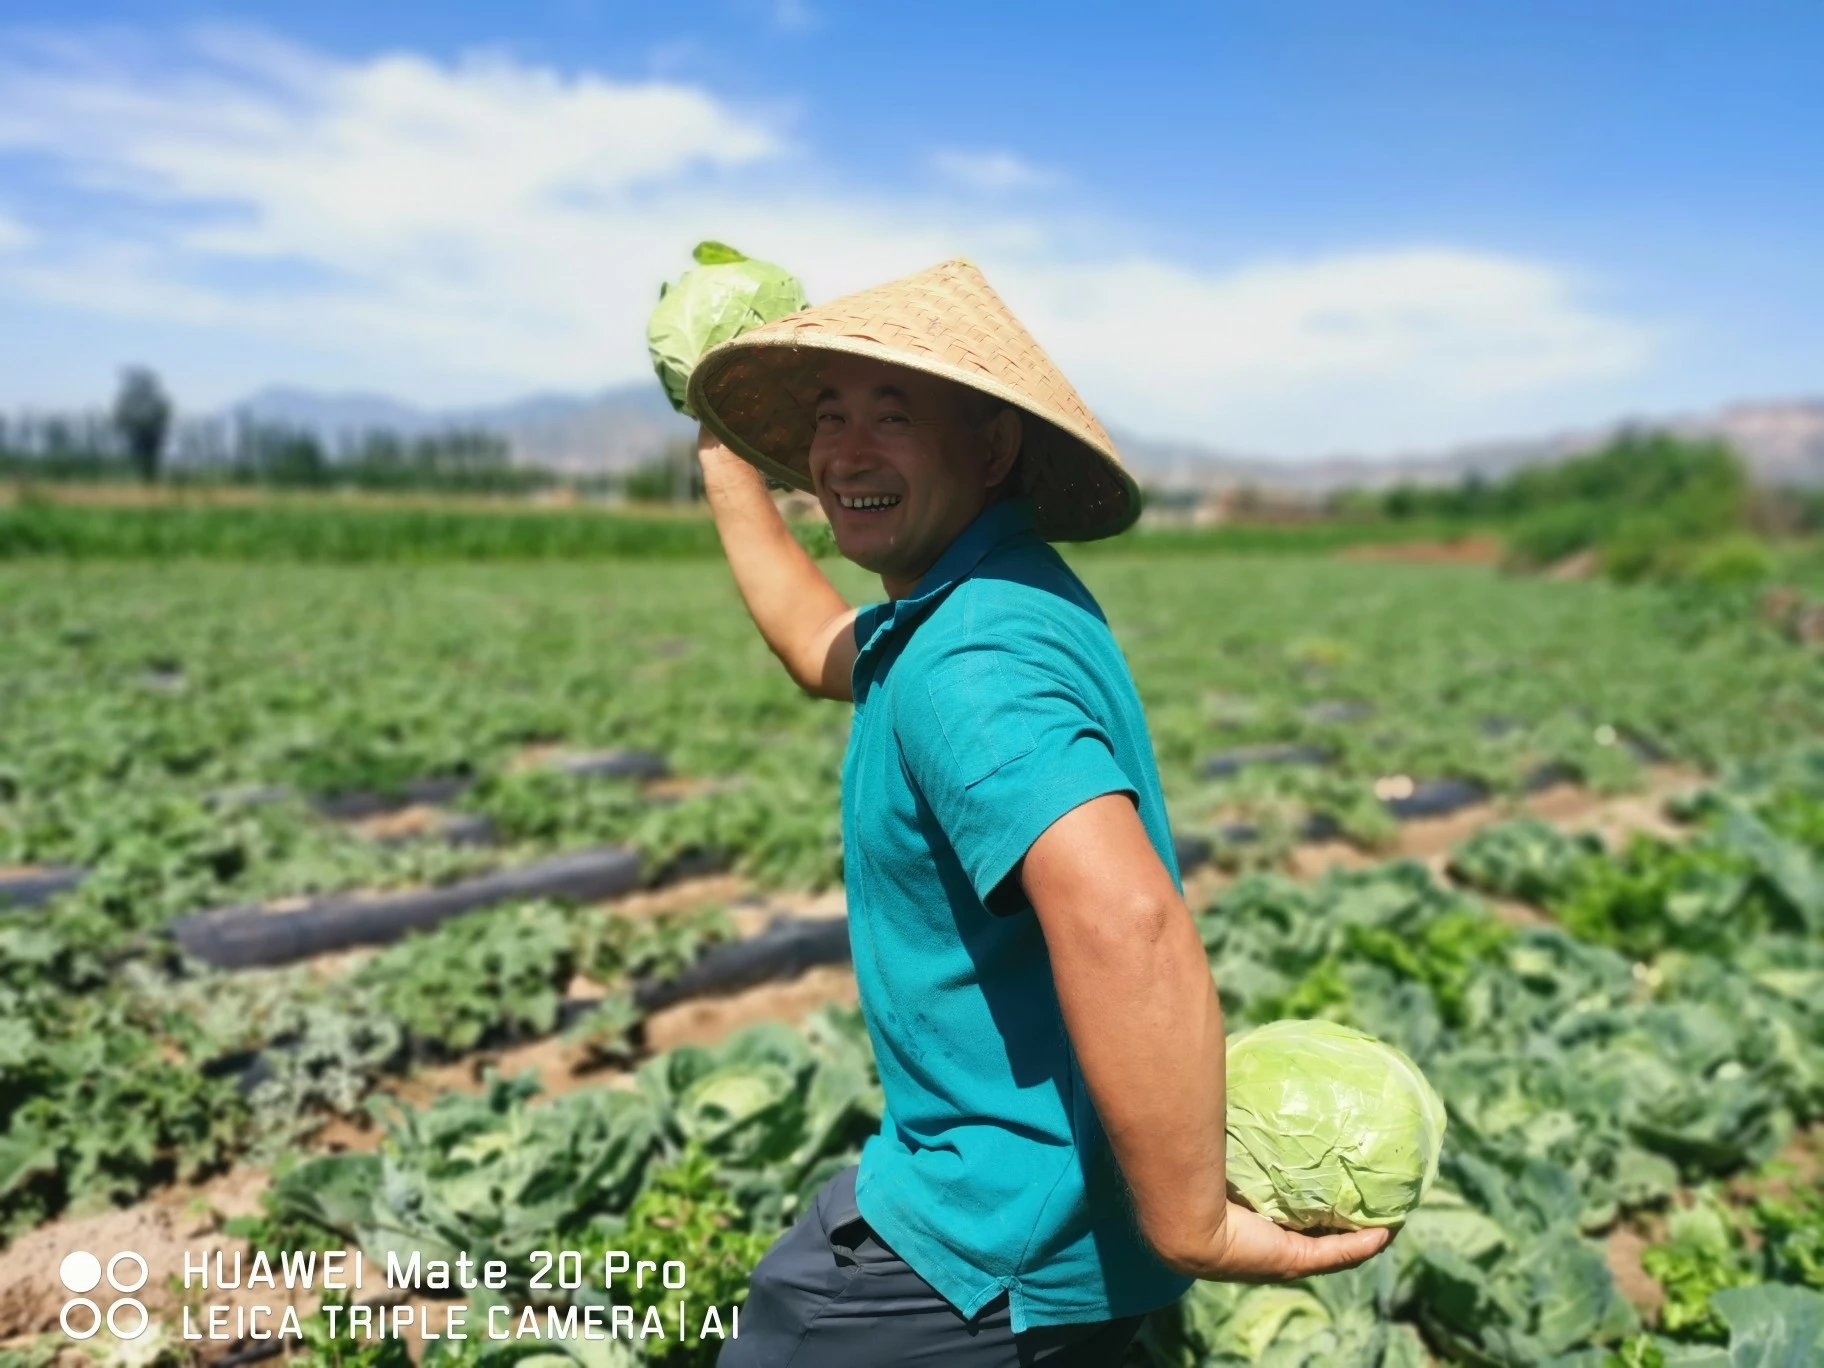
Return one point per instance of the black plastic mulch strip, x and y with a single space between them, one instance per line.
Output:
1443 798
786 949
456 828
244 937
256 1352
352 806
1644 750
1232 762
1636 745
1193 852
615 765
1429 798
692 864
33 887
1550 776
1320 826
1436 798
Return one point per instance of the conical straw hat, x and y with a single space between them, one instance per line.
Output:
757 392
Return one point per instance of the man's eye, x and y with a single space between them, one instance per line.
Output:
823 418
894 418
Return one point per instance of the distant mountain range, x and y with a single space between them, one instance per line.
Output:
616 429
613 430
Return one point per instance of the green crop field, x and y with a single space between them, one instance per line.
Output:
1624 1025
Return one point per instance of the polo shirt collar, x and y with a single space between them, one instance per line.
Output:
998 522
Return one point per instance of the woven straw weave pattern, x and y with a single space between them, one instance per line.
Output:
757 391
952 314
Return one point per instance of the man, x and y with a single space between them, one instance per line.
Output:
1050 1163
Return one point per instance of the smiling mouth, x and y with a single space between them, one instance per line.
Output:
868 503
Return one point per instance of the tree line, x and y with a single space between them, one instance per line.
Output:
140 437
1647 503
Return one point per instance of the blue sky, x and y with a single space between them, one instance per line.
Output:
1288 229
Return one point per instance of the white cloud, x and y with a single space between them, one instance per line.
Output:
1315 355
466 231
991 171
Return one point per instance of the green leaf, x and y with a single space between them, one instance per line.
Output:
716 254
1773 1326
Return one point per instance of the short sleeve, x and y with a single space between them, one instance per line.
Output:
1001 747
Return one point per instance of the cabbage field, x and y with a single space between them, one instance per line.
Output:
495 908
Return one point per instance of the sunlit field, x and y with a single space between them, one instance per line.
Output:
1563 841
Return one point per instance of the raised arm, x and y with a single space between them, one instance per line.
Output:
805 621
1143 1017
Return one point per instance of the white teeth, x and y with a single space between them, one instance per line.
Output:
871 501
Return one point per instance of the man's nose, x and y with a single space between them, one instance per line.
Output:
853 449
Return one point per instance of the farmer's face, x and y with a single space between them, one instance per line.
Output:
907 437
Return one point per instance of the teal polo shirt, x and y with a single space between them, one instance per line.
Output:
988 703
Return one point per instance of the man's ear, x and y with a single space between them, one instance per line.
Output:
1004 435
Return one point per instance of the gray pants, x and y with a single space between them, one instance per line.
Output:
831 1295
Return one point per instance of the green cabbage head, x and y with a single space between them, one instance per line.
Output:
1328 1127
725 296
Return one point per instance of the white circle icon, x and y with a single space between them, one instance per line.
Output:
115 1262
133 1304
80 1272
63 1318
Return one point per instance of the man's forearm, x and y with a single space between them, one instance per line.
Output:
1135 990
790 600
1146 1024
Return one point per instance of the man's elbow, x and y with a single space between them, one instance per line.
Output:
797 665
1184 1251
816 683
1133 927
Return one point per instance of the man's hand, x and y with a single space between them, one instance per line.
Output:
720 465
1146 1026
1250 1248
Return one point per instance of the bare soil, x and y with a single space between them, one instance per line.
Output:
1622 1250
1582 565
162 1229
1468 551
707 1021
1799 1167
418 820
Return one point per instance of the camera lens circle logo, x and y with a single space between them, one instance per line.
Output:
81 1317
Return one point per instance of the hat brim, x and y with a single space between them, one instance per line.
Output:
758 393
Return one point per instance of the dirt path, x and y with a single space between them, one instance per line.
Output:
1431 840
163 1229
